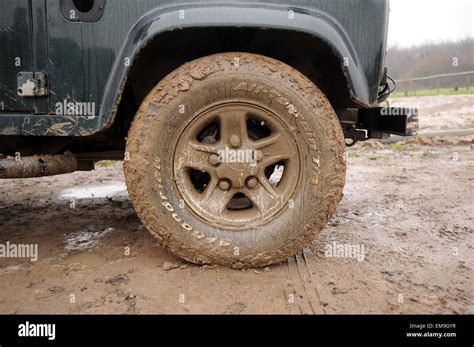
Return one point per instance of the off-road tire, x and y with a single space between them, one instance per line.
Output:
172 106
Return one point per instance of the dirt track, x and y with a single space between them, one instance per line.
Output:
410 207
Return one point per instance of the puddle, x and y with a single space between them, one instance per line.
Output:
84 240
85 258
95 192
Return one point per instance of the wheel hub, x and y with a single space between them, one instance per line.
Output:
226 160
237 174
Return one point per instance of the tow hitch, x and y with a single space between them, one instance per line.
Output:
379 122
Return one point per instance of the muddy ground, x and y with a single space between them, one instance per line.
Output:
441 112
410 208
408 205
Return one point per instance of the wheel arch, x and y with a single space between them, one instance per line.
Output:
316 26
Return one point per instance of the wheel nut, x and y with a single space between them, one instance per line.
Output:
234 141
214 159
224 184
259 155
252 182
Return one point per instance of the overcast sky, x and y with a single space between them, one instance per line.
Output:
414 22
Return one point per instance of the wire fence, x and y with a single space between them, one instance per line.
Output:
450 83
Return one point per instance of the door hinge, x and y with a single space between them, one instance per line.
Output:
32 84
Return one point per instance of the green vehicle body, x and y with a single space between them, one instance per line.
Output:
98 59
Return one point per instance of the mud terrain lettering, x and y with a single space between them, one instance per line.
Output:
166 204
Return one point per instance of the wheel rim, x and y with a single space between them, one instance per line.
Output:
236 164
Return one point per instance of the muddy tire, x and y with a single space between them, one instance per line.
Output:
235 159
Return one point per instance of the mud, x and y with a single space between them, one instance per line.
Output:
37 166
441 112
400 242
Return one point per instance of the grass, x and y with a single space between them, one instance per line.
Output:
428 92
401 147
397 147
413 148
353 154
468 125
